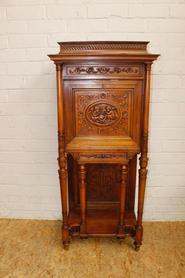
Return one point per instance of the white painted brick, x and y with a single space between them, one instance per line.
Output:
166 81
28 145
170 67
166 25
30 194
167 158
30 214
39 82
138 1
157 1
102 11
6 120
66 11
2 13
24 41
177 11
28 157
151 10
3 42
127 25
25 121
3 69
46 26
12 55
170 109
168 191
25 68
28 205
53 38
7 82
27 109
27 169
87 25
25 2
175 40
168 133
30 68
21 13
165 181
168 121
168 95
176 96
32 95
28 133
107 36
39 54
173 53
155 146
28 141
14 133
13 27
183 81
165 169
174 146
159 41
27 180
3 96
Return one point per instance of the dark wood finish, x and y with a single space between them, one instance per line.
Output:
103 91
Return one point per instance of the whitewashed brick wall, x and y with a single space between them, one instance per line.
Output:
29 30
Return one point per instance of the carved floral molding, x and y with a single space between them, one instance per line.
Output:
127 70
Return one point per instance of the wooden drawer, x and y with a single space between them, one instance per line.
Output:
106 71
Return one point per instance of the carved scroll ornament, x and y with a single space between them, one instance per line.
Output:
127 70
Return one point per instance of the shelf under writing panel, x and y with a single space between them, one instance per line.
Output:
101 222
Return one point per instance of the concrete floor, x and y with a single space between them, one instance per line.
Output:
33 249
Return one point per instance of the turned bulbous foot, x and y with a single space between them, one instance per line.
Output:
66 245
137 245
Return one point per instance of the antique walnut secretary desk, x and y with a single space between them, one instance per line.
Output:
103 91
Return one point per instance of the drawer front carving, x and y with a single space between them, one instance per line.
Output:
92 158
126 70
102 112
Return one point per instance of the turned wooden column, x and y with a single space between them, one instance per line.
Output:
143 160
82 177
123 185
62 159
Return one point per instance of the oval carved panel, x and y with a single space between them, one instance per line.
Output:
102 113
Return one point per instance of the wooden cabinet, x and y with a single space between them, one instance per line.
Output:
103 93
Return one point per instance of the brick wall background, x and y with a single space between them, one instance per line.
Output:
29 30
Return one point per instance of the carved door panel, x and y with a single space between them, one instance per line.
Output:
103 108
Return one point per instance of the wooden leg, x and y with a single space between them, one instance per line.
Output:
121 228
141 193
64 194
82 175
143 160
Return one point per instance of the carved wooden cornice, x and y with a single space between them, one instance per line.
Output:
122 50
87 46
